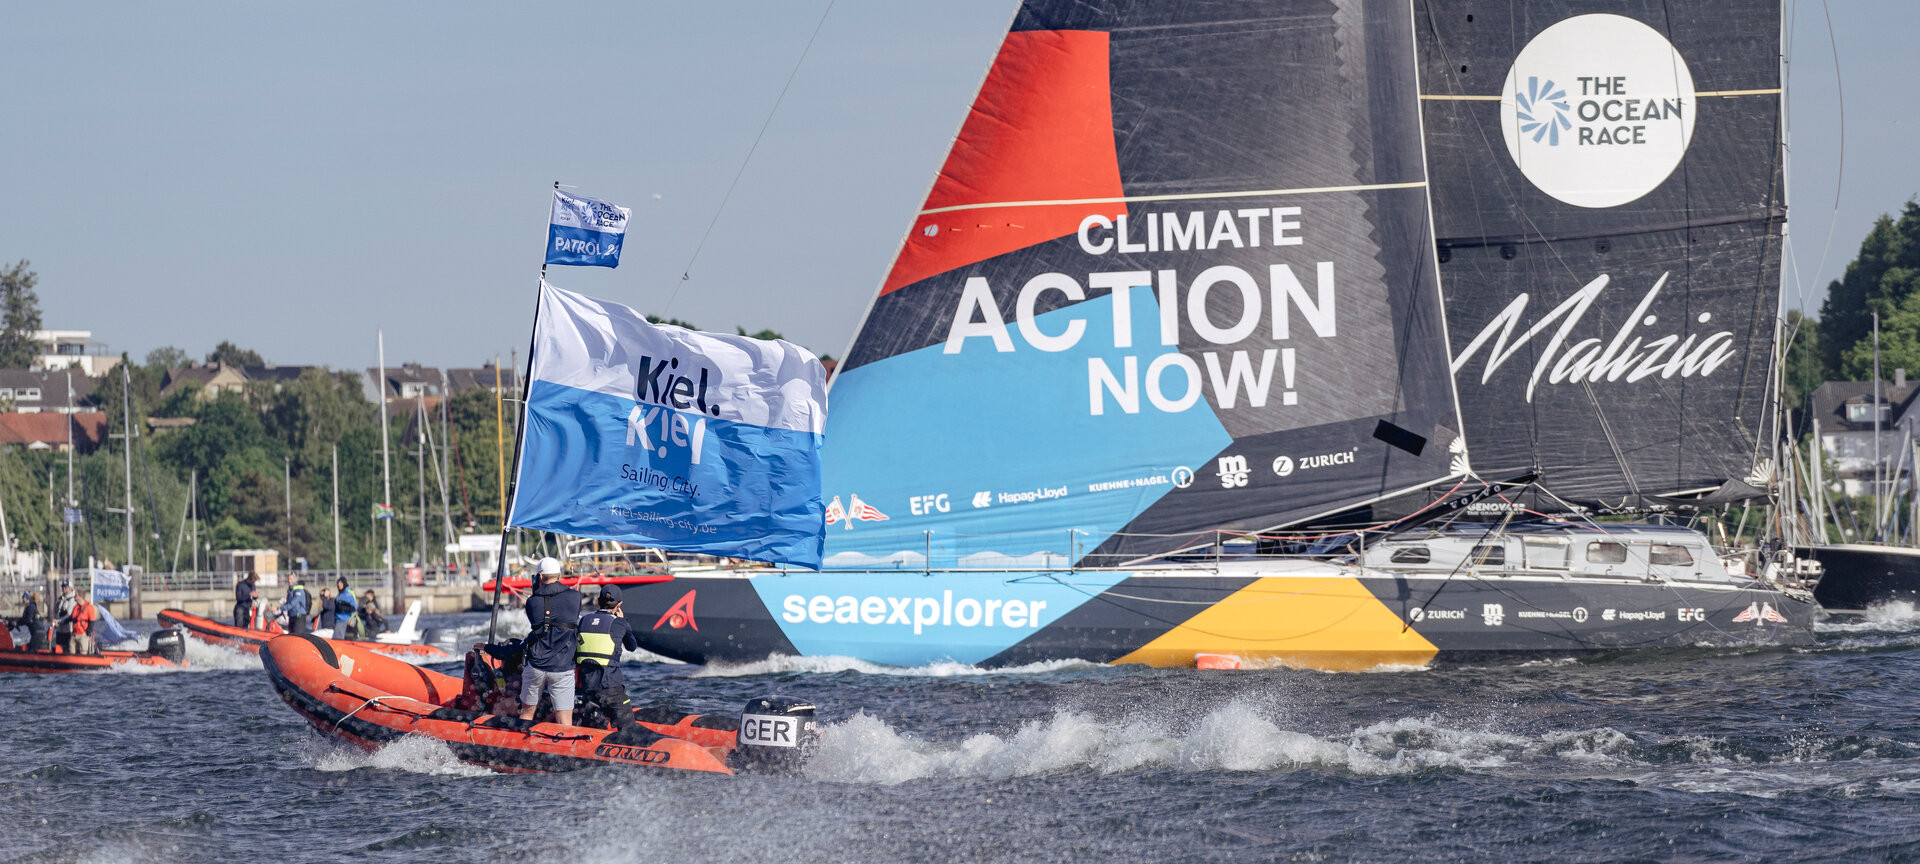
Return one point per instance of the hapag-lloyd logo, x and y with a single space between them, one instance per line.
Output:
1597 110
1629 355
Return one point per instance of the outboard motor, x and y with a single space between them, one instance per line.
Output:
168 642
777 734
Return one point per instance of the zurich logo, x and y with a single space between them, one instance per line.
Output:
1543 110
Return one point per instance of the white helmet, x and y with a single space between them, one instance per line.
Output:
549 566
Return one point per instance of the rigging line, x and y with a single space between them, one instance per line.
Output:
1698 94
1179 196
686 273
1840 164
1466 559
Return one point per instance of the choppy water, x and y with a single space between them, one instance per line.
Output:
1702 755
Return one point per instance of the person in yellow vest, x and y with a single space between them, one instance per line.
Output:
604 634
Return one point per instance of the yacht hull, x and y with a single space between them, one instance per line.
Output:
1301 614
1855 577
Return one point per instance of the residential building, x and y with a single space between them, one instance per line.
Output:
30 391
1845 412
49 430
72 349
217 378
407 381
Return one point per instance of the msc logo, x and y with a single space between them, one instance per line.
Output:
1493 614
626 753
1233 472
1542 109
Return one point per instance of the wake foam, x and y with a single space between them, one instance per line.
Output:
1238 737
1893 616
864 749
204 657
414 753
780 664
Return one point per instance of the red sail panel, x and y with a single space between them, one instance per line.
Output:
1040 130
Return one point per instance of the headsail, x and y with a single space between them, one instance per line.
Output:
1176 275
1607 190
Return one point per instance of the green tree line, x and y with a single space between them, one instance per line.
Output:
1884 278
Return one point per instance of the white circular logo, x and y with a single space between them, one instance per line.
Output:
1597 110
1182 477
1579 613
1282 465
1416 614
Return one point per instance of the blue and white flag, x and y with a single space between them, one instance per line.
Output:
662 436
109 584
585 231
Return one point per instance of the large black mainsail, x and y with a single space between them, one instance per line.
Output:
1176 275
1607 194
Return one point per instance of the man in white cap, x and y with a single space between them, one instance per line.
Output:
554 612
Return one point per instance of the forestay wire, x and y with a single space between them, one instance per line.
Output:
686 273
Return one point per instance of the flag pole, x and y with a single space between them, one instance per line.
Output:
519 436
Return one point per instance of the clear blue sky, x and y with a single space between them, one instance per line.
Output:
294 177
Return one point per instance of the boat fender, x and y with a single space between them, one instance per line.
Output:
777 734
168 642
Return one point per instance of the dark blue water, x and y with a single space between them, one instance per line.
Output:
1699 755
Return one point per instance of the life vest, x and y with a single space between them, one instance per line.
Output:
596 643
297 603
83 617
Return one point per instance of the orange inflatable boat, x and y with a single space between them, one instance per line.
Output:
369 699
166 647
250 641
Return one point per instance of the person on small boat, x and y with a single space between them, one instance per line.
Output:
31 619
553 610
84 614
296 607
371 621
345 609
324 618
244 592
604 634
63 618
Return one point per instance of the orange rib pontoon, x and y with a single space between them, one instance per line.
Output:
251 641
370 699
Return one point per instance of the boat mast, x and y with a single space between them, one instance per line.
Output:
420 473
336 507
1878 470
71 505
126 412
386 459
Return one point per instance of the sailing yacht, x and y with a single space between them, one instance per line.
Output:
1197 281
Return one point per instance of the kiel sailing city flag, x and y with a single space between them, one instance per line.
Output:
585 231
667 437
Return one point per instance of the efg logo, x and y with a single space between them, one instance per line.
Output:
1598 110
